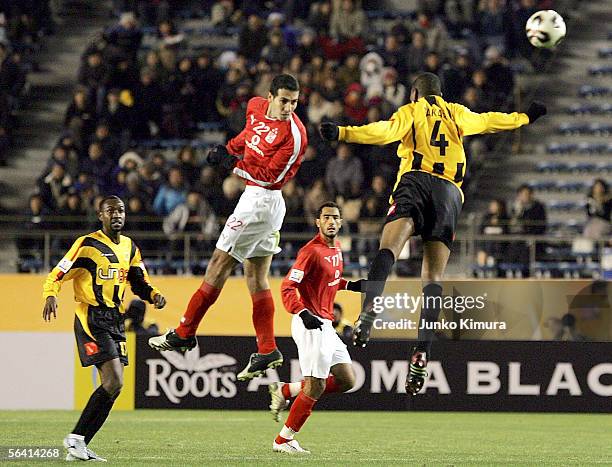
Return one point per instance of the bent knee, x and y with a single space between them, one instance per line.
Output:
113 387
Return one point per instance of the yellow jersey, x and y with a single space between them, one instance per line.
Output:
100 270
430 132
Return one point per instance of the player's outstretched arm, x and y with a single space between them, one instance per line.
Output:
380 133
472 123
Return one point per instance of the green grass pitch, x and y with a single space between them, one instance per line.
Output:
189 437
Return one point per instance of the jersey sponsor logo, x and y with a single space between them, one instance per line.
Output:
179 375
65 265
335 260
91 348
254 147
113 273
271 136
336 280
296 275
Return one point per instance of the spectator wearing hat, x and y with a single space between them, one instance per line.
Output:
371 67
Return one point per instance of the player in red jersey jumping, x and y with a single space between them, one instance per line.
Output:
266 154
317 276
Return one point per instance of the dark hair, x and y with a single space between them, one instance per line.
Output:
328 204
524 186
427 84
284 81
109 198
338 307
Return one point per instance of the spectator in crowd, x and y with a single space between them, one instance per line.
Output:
371 66
312 168
492 23
188 165
319 17
80 117
136 322
394 92
253 37
417 52
98 165
528 214
456 76
93 75
436 35
125 36
344 174
598 207
348 21
294 202
499 76
495 222
61 155
315 197
342 326
53 188
276 52
171 194
232 189
394 54
195 216
31 247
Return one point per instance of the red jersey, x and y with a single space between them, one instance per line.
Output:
272 148
317 276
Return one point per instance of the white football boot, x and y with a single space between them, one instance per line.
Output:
290 447
278 403
76 447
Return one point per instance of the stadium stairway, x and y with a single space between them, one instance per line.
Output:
42 117
563 153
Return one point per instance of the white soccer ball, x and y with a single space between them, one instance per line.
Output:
545 29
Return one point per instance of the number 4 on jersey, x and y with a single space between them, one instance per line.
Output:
439 143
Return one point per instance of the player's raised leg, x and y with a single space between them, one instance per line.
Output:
183 338
435 258
267 356
394 236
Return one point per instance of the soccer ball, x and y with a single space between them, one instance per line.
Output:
545 29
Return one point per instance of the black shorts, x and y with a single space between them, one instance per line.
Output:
433 204
108 331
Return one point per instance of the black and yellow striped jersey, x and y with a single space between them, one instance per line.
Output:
430 132
100 270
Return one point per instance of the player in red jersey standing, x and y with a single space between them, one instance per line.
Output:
266 154
317 276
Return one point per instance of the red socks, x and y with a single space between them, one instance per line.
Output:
330 387
200 302
299 413
263 321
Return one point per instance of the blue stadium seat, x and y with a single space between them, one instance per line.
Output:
542 185
560 148
600 70
587 90
552 167
605 52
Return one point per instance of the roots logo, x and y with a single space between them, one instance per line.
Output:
178 375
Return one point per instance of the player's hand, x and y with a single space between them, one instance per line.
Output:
310 320
536 110
159 301
329 131
218 156
50 308
357 286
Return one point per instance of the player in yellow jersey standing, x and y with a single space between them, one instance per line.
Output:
427 196
100 264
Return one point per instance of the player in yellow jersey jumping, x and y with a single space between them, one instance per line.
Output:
100 264
427 196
